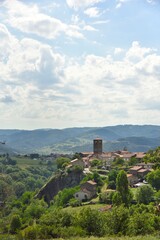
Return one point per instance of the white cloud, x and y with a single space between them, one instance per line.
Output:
7 43
121 2
136 52
92 12
101 22
28 19
76 4
118 51
38 83
89 28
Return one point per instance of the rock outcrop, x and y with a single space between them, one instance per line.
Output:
59 182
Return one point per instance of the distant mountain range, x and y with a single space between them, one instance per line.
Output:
70 140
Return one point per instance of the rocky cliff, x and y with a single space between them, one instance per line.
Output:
59 182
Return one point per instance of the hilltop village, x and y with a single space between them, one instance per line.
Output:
102 163
106 158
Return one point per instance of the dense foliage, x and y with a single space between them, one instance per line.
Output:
16 179
26 217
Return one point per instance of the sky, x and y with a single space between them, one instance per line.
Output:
79 63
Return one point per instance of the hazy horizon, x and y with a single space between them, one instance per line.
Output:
34 129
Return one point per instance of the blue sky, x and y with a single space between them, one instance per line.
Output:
76 63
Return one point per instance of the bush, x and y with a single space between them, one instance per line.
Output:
30 232
74 202
144 194
15 224
117 220
92 222
72 231
141 224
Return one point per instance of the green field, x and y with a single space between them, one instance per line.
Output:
27 162
24 162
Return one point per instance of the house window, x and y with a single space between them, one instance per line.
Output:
76 195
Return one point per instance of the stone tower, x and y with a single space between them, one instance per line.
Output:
97 146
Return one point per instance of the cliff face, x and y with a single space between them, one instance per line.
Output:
59 182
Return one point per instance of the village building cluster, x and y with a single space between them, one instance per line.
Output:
106 157
135 174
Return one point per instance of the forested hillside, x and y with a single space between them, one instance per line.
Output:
134 137
126 211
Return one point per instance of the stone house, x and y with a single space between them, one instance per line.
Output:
134 170
143 172
87 191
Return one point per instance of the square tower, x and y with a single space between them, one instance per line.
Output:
97 146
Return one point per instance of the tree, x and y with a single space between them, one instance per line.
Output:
118 161
141 224
132 161
112 175
15 224
117 220
96 163
77 155
112 179
97 178
6 190
154 179
63 197
19 188
117 199
35 209
91 221
123 188
61 162
144 194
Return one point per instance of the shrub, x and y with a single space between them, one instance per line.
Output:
15 224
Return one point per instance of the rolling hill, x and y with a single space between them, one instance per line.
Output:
134 137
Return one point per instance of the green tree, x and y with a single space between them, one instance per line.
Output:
63 197
132 161
6 190
144 194
117 199
31 232
26 197
15 224
118 161
157 196
112 175
117 220
112 179
96 163
77 155
19 188
154 179
35 209
97 178
141 224
123 188
92 222
61 162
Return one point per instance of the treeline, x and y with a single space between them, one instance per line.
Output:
36 221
